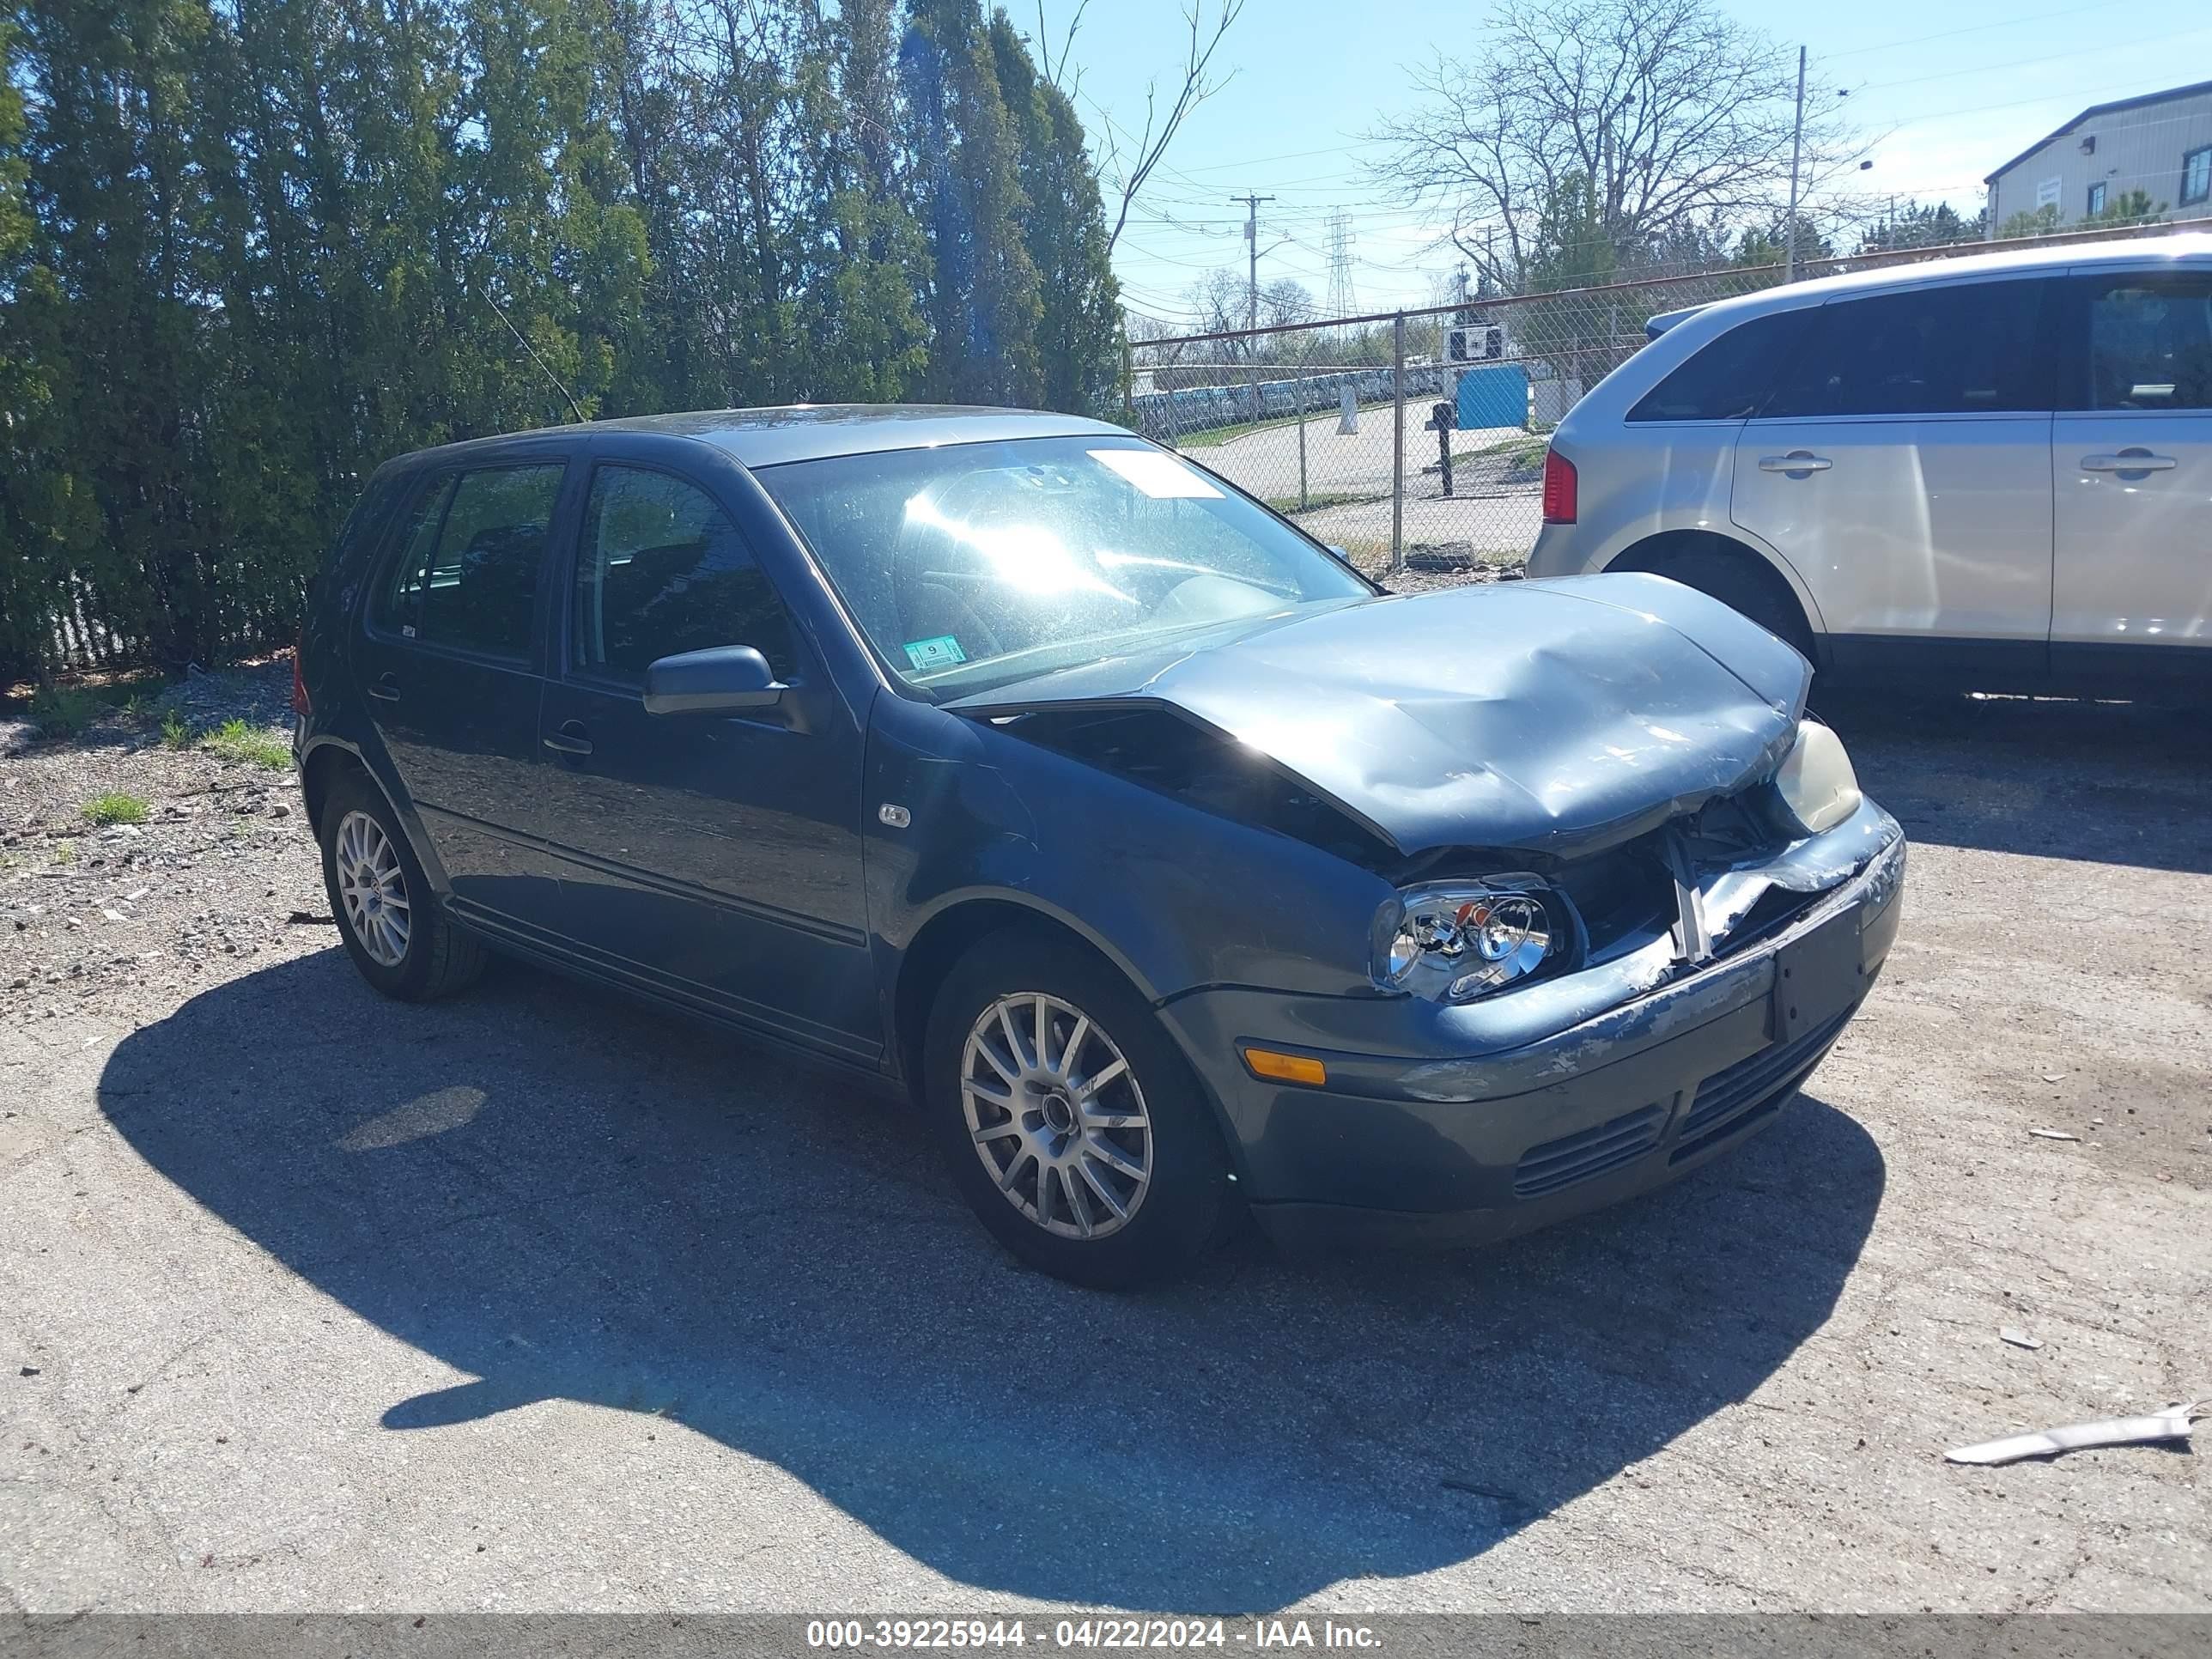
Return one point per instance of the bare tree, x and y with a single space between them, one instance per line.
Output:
1631 120
1125 174
1218 302
1055 69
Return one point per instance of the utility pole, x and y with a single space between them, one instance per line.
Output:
1796 144
1252 298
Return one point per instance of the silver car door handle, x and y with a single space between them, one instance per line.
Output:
2128 460
1799 461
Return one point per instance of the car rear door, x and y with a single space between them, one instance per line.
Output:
2131 476
1900 464
451 663
713 858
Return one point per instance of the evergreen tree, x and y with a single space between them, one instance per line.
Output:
984 305
1064 229
250 248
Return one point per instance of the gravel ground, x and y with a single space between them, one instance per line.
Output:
94 917
537 1300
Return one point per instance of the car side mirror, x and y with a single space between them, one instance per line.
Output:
1342 555
728 679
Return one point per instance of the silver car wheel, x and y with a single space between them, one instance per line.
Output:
374 889
1056 1115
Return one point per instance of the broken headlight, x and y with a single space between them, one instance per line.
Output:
1816 785
1453 941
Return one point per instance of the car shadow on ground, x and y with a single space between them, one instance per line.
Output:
2105 782
565 1196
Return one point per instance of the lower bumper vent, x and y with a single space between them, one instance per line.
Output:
1562 1163
1728 1101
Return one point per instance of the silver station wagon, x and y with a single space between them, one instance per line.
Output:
1994 472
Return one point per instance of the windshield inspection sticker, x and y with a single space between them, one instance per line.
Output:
1160 476
943 652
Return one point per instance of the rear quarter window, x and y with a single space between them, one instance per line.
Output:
1727 377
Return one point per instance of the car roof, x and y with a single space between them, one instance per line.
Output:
2134 250
807 432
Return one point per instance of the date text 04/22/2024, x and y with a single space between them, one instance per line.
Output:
1109 1633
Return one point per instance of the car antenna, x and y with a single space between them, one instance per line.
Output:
575 407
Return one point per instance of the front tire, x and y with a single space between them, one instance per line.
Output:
1069 1120
394 928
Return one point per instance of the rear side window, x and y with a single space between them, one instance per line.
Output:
661 569
1728 376
467 571
2151 340
1969 349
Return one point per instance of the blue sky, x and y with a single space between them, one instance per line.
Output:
1942 93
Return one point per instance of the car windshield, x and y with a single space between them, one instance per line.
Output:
971 566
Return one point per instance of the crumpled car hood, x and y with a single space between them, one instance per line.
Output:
1555 717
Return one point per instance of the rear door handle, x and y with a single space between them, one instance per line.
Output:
2128 460
385 688
1796 461
570 739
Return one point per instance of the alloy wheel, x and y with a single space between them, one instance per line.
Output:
1056 1115
374 889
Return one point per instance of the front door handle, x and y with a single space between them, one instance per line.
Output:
570 739
2128 460
1797 461
385 688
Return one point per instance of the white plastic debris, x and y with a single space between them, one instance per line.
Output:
2019 1337
2171 1424
2053 1134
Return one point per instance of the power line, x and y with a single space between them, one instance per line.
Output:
1970 29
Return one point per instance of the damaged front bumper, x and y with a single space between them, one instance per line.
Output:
1451 1125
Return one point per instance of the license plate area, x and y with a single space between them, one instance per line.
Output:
1818 976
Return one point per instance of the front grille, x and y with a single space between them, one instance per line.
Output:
1727 1101
1561 1163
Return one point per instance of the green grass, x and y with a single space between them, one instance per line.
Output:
1515 452
63 711
114 808
1213 435
1318 498
175 734
234 740
64 852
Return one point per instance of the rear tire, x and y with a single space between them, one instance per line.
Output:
1092 1155
393 926
1739 579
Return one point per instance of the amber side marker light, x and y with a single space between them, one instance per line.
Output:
1285 1068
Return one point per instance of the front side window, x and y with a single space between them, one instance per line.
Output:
661 569
467 573
1727 376
971 566
1959 349
2151 340
2196 176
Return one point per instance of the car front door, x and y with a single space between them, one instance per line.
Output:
1901 466
714 858
450 663
2131 476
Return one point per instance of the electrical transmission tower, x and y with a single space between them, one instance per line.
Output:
1341 301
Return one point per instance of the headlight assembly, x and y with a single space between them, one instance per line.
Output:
1816 785
1453 941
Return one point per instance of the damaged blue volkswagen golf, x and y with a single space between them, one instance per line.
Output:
1165 860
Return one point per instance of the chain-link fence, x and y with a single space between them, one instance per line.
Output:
1417 437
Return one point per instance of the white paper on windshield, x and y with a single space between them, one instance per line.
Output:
1158 475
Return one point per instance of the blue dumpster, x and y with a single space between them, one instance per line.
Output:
1493 397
